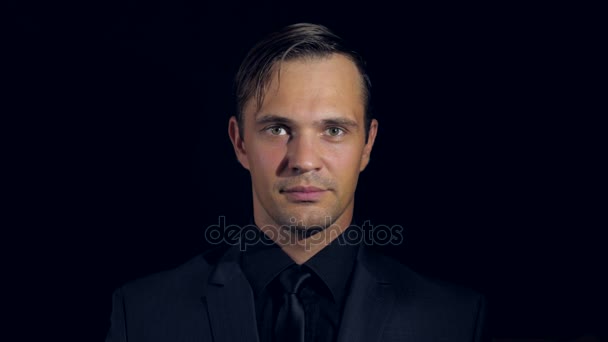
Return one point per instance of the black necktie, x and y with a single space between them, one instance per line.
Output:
291 318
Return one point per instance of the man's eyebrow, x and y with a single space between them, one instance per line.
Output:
334 121
338 121
273 118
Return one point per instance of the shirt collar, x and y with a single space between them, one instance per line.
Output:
333 265
263 261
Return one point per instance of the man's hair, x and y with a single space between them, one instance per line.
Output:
297 41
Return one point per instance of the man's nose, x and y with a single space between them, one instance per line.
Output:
303 154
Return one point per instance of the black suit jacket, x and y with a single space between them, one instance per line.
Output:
209 299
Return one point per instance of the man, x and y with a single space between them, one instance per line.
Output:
303 130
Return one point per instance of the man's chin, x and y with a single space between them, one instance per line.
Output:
307 218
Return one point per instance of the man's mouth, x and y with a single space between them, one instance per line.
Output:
304 193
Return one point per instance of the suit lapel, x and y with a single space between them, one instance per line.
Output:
230 302
369 303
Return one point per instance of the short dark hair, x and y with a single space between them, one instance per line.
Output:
295 41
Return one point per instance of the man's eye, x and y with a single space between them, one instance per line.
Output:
335 131
276 130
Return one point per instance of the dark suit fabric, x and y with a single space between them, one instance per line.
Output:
209 299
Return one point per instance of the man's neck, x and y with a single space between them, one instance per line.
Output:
301 248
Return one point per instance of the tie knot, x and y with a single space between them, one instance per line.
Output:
292 278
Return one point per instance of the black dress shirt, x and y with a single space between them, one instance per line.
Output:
323 297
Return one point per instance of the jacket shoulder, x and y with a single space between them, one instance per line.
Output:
164 306
434 309
413 283
187 278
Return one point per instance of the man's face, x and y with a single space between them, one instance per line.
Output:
305 147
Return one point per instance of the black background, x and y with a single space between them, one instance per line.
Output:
488 150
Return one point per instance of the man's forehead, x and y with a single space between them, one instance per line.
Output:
328 67
331 82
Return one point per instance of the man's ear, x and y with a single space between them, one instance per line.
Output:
367 149
237 142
